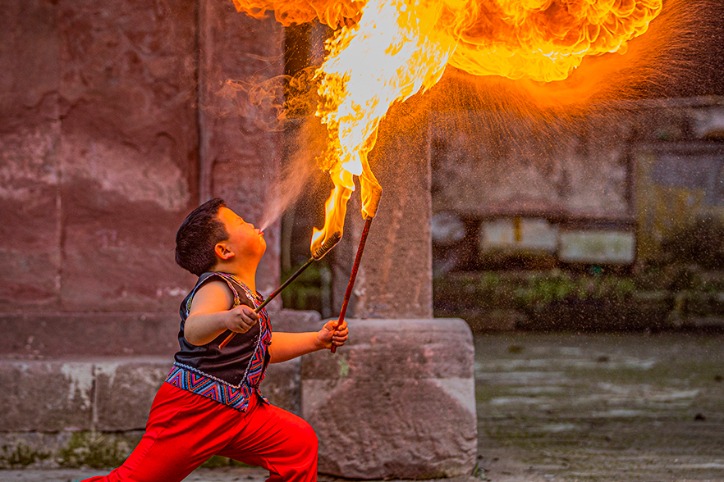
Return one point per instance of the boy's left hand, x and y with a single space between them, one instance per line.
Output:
331 334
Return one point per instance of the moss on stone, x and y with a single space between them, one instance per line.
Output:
20 455
217 462
95 450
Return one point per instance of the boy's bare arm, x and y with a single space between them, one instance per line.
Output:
286 346
210 315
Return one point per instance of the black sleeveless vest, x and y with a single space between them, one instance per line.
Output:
241 362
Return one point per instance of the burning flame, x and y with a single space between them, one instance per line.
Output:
385 51
545 40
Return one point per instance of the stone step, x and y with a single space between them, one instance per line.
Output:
84 383
71 379
73 411
103 394
387 400
47 335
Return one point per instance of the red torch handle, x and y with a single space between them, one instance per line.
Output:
353 275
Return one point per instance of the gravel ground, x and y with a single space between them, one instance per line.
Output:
564 407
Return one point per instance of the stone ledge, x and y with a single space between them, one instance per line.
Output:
51 335
103 394
431 348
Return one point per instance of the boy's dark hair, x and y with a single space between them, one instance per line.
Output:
197 236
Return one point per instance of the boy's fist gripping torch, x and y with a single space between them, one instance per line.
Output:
316 256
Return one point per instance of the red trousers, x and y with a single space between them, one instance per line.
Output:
185 429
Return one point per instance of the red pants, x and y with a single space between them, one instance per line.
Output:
185 429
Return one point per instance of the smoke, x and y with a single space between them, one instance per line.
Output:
284 103
301 173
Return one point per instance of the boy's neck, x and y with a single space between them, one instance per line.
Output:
249 282
246 276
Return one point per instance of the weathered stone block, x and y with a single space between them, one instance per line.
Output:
125 390
296 321
397 402
29 132
281 385
127 152
46 396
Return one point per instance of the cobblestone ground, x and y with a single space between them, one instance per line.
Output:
566 407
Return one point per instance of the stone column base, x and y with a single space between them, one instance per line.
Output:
398 401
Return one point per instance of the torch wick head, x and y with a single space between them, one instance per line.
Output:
327 246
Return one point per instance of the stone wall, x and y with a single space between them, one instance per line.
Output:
495 164
118 119
113 125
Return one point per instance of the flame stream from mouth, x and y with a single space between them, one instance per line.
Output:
405 54
385 51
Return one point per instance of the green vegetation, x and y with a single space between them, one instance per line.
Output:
95 450
682 284
20 455
307 291
542 290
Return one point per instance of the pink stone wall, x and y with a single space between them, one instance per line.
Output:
105 146
29 132
240 138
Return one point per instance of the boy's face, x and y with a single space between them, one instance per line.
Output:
244 238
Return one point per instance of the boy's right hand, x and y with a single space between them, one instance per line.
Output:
241 319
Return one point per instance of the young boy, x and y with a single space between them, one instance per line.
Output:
210 403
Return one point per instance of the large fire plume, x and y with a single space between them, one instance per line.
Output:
385 51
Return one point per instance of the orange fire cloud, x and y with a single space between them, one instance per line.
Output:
385 51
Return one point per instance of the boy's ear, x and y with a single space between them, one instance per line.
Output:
222 251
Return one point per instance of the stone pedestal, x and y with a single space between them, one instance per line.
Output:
398 401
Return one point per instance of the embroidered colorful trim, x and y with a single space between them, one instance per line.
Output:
186 378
